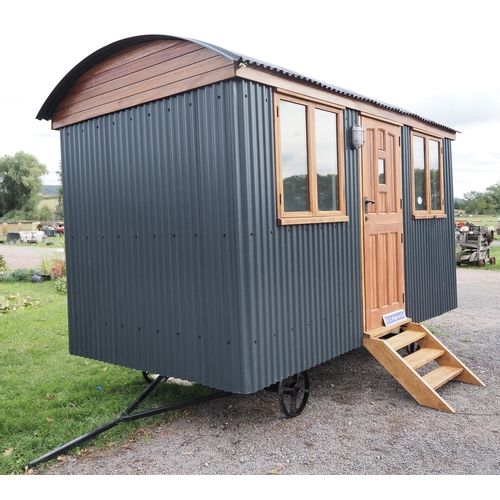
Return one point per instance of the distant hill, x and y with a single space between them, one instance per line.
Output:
50 190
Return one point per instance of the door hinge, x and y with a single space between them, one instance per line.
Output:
403 297
401 203
280 200
402 238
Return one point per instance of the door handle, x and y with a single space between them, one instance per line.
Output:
367 201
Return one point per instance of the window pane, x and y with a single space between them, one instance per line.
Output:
435 175
326 160
381 171
419 173
294 157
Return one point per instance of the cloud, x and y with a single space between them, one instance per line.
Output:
461 111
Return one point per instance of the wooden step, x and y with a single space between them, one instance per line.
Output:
405 338
438 377
405 375
422 388
384 330
423 356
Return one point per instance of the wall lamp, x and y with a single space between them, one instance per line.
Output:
357 136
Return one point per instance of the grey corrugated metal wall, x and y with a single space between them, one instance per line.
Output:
301 285
430 270
175 262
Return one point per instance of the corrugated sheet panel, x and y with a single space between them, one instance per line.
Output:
300 286
430 269
175 262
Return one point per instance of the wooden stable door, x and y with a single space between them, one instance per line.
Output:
383 270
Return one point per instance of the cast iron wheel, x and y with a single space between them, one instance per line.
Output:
481 262
411 348
493 260
293 393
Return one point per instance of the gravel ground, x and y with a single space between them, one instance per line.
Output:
26 256
358 419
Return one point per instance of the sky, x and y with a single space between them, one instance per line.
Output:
438 59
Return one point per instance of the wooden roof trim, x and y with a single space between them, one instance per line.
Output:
129 77
166 90
120 63
138 74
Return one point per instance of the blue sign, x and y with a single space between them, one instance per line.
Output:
394 317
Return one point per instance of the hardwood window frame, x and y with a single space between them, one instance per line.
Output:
428 212
313 215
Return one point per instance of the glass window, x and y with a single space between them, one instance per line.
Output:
326 160
309 163
381 171
435 175
419 173
427 177
294 157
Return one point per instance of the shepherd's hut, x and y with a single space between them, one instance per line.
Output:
233 223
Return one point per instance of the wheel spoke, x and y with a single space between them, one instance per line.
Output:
293 393
293 404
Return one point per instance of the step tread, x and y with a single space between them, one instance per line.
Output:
423 356
405 338
384 330
438 377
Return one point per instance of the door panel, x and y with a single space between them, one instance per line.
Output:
383 270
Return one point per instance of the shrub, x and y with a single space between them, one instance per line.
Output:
3 264
22 274
13 302
46 264
60 285
58 268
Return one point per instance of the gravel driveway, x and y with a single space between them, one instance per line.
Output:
358 419
26 256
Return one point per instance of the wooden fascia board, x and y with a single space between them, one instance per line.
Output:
270 78
224 73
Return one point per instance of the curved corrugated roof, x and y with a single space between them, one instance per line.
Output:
67 82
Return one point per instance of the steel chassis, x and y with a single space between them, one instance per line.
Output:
293 393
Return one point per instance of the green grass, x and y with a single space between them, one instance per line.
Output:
50 201
55 242
438 332
479 220
48 398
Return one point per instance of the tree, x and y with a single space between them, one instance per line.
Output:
479 203
45 214
459 205
493 192
20 183
59 211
